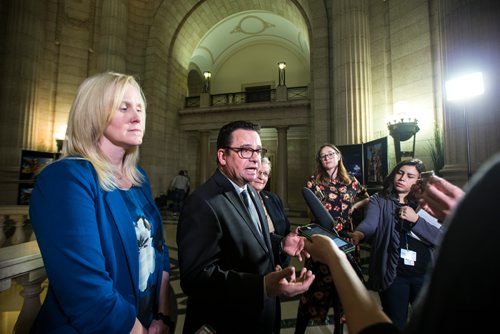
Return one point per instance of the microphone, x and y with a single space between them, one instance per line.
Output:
320 213
323 218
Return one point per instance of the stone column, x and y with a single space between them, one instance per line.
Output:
352 73
470 43
22 45
112 42
204 149
282 166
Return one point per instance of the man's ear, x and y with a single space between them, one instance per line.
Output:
221 156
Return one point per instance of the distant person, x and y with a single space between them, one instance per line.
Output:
179 187
227 267
96 223
277 219
401 241
341 194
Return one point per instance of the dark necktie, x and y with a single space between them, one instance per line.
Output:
244 198
251 210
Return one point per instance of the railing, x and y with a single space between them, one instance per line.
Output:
293 93
21 261
297 93
14 217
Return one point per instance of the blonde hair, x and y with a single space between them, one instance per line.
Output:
96 101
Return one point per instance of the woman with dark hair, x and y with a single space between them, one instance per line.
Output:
341 194
401 241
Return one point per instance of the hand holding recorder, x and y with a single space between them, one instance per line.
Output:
437 196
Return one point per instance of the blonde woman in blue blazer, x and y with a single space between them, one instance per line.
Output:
97 226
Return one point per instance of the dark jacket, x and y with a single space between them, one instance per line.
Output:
380 231
223 260
276 211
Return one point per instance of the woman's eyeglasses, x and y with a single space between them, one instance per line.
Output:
328 156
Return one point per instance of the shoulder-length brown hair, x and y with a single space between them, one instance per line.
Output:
321 174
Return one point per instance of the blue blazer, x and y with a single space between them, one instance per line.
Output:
89 248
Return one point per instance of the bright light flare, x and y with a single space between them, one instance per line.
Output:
462 88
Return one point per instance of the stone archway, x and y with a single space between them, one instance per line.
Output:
172 39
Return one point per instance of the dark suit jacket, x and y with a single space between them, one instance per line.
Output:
276 211
223 260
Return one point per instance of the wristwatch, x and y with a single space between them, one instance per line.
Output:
166 320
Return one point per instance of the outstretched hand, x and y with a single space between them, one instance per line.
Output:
293 245
283 282
321 248
356 237
439 197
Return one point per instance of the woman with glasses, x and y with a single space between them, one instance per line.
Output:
277 220
341 194
401 241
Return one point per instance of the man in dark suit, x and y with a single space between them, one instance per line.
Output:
225 254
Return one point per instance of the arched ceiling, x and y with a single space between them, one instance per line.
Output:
249 28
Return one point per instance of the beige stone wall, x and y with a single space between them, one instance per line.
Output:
50 46
402 69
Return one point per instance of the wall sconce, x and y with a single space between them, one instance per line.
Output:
59 143
402 128
207 75
59 137
460 89
281 73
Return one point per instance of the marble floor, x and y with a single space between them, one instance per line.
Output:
11 301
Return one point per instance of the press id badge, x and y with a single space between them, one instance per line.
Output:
408 256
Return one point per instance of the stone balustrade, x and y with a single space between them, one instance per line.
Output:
16 215
20 260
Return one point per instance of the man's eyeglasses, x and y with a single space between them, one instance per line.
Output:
328 156
247 153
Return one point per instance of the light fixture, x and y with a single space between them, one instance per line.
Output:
281 73
464 87
460 89
402 126
206 87
59 143
59 137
